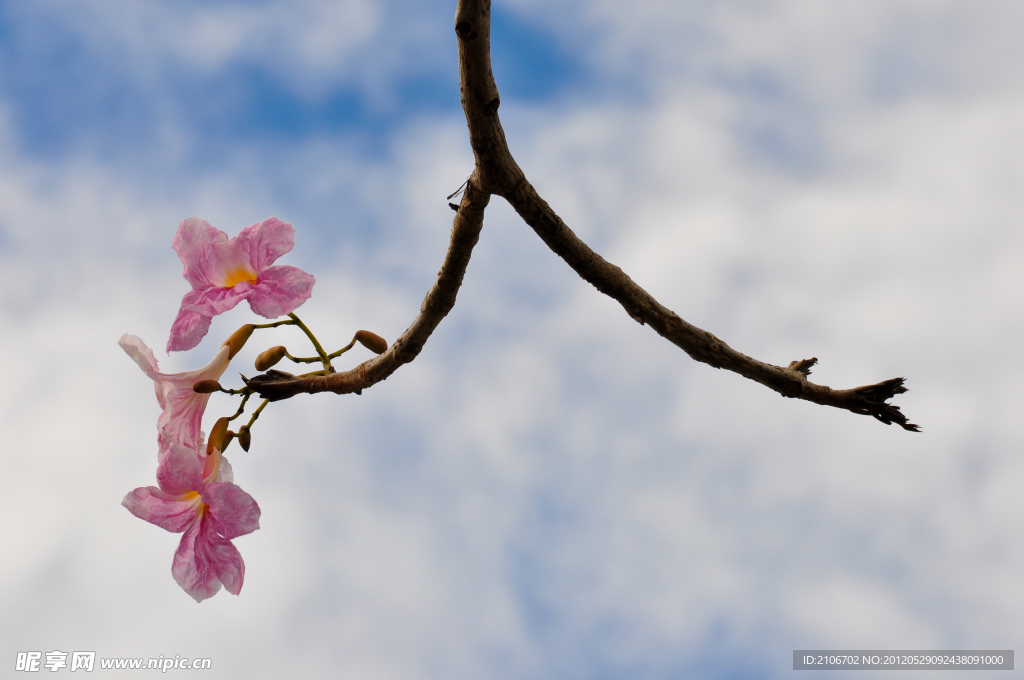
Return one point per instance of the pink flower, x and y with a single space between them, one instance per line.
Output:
223 273
196 496
182 418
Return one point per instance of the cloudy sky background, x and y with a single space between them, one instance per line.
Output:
550 490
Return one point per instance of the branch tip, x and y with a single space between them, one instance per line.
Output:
887 389
873 400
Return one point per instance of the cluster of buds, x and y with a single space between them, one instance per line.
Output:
221 436
273 356
196 495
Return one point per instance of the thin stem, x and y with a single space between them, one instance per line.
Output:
303 360
316 343
313 360
289 322
256 414
343 349
241 407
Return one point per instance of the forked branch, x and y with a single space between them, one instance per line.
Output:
498 173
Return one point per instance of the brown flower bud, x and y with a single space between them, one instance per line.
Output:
267 359
244 437
206 387
238 338
218 436
372 341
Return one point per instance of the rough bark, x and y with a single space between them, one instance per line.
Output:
498 173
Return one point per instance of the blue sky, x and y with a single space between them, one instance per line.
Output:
549 490
68 95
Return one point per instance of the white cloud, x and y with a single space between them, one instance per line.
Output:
312 46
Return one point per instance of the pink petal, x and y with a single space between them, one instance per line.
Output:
180 470
162 509
193 242
198 306
214 301
228 265
188 329
263 243
212 261
225 473
233 512
280 291
182 408
182 418
140 354
223 559
191 566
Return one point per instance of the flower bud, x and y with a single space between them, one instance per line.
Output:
372 341
267 359
218 436
206 387
238 338
244 437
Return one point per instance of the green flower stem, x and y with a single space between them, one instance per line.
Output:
256 414
245 390
316 343
343 349
289 322
313 360
241 407
302 360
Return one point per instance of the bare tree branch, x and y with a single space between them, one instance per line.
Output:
439 301
498 173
